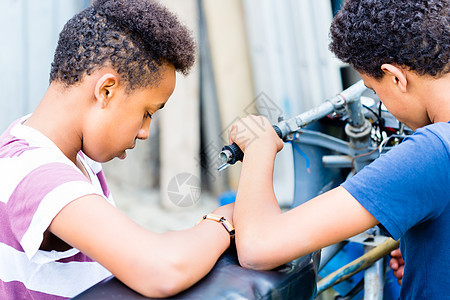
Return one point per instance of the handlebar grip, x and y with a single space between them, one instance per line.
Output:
278 131
232 153
235 154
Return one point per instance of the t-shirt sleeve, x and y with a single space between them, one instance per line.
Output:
38 198
408 185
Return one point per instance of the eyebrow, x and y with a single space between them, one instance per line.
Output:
161 106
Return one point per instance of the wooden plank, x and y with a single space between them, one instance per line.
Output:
179 122
230 60
211 124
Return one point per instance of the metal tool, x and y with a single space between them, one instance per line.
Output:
230 154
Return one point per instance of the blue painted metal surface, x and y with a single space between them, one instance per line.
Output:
313 178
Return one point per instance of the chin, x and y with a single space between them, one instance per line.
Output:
99 158
102 160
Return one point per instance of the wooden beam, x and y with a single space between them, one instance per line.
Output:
179 121
231 65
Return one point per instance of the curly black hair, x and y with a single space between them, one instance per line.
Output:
414 34
135 37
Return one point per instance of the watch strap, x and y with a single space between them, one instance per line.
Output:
222 220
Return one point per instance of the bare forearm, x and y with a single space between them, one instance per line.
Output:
266 238
155 265
192 253
322 221
255 191
256 206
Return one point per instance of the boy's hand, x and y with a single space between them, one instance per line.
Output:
397 264
255 132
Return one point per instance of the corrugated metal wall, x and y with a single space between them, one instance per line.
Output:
293 71
29 32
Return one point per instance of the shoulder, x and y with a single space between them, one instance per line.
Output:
32 168
25 150
438 133
428 147
419 156
400 180
429 142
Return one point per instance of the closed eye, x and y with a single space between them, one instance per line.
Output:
148 115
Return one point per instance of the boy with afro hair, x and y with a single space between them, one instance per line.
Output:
401 49
60 232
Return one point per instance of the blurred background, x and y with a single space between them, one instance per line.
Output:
254 57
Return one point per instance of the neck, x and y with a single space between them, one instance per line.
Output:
435 92
59 117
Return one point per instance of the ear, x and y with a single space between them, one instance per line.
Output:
397 75
105 88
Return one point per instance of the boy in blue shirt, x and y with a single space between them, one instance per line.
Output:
401 49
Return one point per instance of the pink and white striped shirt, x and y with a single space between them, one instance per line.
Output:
36 182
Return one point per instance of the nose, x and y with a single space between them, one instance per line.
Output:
144 131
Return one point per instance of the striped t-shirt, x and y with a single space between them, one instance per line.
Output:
36 182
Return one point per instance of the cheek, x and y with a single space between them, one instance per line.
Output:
124 135
96 147
388 105
387 101
100 140
129 130
399 111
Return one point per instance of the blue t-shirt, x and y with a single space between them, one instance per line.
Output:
407 191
